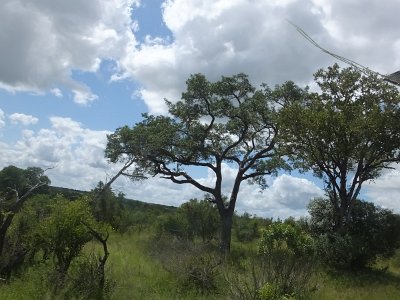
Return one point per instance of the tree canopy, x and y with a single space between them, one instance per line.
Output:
347 133
215 123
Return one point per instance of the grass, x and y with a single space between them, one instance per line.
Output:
136 275
139 276
381 282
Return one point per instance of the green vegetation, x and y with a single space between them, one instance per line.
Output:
57 243
215 123
346 134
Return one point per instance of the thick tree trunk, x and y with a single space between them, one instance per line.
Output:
226 231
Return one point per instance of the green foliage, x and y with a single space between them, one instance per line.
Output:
174 224
285 237
288 259
63 232
138 275
346 134
247 228
227 121
283 267
372 232
106 206
16 186
84 280
202 219
13 179
193 219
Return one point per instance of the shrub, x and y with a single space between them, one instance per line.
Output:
371 232
193 219
283 267
202 218
173 224
247 228
194 266
84 280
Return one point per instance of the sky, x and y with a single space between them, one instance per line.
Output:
72 72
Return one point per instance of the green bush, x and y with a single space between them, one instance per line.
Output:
194 266
283 267
84 280
247 228
174 224
372 232
193 219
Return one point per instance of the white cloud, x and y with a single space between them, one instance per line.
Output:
77 155
286 196
84 97
385 191
227 37
2 119
56 92
18 118
75 152
54 38
50 39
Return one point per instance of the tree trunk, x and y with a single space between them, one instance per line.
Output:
3 231
226 231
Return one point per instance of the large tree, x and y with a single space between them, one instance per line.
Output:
215 123
347 133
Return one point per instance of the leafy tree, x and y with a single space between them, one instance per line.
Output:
16 185
106 206
63 233
215 123
347 133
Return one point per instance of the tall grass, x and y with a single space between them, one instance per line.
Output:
137 275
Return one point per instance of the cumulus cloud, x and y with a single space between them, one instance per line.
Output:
47 40
286 195
227 37
2 119
52 39
18 118
84 96
75 152
77 155
385 191
56 92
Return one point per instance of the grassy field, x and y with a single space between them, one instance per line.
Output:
136 275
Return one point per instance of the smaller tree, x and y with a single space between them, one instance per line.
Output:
346 134
106 206
64 233
16 185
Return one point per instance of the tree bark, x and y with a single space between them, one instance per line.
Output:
226 231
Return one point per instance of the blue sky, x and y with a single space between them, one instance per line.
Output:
71 72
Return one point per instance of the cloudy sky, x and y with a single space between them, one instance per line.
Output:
73 71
